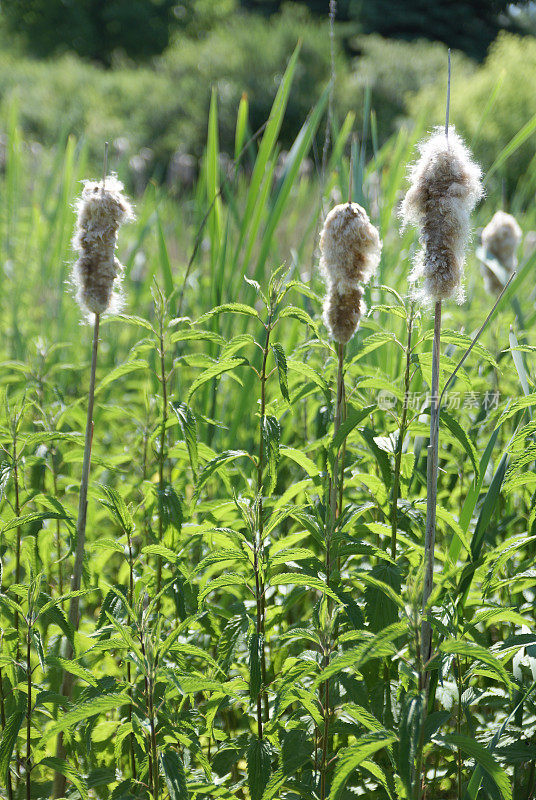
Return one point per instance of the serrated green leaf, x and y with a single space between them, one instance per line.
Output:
259 767
174 775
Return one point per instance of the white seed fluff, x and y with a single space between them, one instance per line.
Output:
97 274
445 185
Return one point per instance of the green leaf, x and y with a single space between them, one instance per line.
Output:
271 433
73 667
282 369
307 581
379 646
231 579
302 316
85 710
174 775
255 645
259 767
72 774
232 308
410 724
165 264
458 432
115 503
7 742
302 460
120 372
483 757
355 416
188 424
214 371
351 757
475 652
380 610
521 136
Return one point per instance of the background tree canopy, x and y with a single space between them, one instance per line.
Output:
96 29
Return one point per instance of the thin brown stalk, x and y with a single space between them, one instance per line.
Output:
161 454
129 674
259 545
335 509
18 532
67 684
3 721
82 504
400 441
58 531
28 713
431 494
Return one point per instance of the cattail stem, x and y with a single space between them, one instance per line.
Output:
28 712
129 673
58 532
161 454
335 510
431 497
400 441
262 699
3 721
67 684
82 501
17 514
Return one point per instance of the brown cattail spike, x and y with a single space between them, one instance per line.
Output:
97 274
445 187
500 240
351 249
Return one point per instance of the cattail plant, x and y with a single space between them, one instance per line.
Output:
445 185
101 210
500 240
350 252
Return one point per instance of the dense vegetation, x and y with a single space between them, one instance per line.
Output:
218 655
98 29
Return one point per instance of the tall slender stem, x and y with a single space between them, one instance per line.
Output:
259 545
28 713
431 496
400 441
3 721
161 454
129 674
58 531
17 514
76 579
335 510
82 502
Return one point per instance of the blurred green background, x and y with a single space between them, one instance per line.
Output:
139 73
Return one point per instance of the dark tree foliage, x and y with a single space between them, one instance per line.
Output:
346 9
466 25
93 28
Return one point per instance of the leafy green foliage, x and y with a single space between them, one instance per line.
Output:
237 639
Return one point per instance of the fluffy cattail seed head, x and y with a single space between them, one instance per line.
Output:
500 240
342 312
97 273
445 187
350 246
350 252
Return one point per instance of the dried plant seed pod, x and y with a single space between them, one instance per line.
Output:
97 274
445 185
350 252
500 240
350 246
342 312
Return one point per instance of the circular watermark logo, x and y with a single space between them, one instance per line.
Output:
386 399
